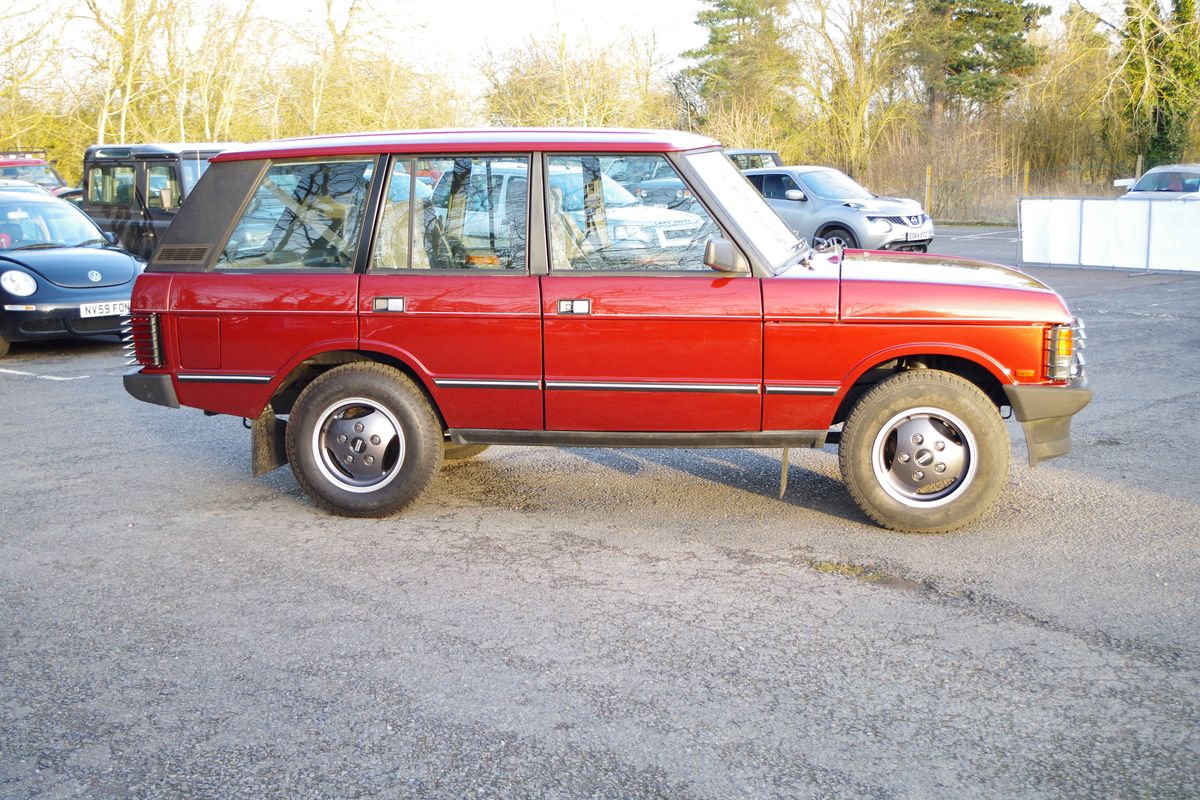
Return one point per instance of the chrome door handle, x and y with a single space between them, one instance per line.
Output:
394 305
581 306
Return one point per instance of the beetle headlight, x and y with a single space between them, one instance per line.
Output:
18 283
1064 356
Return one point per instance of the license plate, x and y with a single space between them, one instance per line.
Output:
113 309
913 236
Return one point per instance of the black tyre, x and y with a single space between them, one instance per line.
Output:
841 236
461 452
363 441
924 452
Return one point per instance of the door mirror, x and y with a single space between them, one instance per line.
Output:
166 199
723 256
111 238
794 194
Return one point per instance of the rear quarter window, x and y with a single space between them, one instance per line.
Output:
302 215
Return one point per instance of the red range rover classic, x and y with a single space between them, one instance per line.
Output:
379 303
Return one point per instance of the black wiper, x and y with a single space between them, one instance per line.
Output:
38 246
86 242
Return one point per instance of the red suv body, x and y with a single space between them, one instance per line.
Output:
373 321
32 166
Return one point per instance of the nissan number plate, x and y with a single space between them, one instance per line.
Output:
112 309
913 236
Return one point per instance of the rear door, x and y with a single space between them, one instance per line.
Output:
282 288
448 288
111 199
162 194
639 334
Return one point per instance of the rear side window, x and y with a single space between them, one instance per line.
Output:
111 185
475 216
303 215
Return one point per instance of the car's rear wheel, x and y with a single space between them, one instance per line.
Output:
924 452
840 236
363 441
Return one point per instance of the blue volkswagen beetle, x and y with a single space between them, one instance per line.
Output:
60 275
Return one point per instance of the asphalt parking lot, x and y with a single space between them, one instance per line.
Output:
602 623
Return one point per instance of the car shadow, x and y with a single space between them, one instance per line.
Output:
746 470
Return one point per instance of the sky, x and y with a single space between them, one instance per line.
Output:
456 34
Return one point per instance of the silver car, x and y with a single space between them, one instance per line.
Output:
1168 182
824 203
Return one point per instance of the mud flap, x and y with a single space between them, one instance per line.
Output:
267 449
1047 438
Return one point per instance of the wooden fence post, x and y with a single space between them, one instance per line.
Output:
929 189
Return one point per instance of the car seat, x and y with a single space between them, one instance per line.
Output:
10 235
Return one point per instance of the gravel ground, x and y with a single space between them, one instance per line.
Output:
601 623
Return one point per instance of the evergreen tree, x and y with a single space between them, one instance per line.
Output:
746 56
971 52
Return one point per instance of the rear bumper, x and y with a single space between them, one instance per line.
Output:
153 388
1045 414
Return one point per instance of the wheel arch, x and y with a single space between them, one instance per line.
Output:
305 370
974 366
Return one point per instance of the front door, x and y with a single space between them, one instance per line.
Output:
640 335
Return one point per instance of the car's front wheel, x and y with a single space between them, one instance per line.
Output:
363 441
842 237
924 451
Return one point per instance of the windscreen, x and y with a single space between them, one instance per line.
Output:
758 220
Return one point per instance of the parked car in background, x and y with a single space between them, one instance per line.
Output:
532 300
753 159
134 191
33 166
14 185
1167 182
74 196
825 203
60 275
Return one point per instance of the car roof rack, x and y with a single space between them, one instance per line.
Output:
26 152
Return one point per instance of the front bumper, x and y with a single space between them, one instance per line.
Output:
1045 414
56 321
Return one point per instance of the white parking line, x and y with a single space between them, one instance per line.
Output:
44 377
987 235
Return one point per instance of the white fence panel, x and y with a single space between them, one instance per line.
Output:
1050 230
1175 235
1115 234
1126 234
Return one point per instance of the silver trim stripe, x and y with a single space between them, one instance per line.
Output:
225 378
810 390
717 388
456 383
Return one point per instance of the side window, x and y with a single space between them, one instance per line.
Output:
596 223
111 185
162 187
756 181
474 217
304 214
775 184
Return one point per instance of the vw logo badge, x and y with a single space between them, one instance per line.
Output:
94 276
